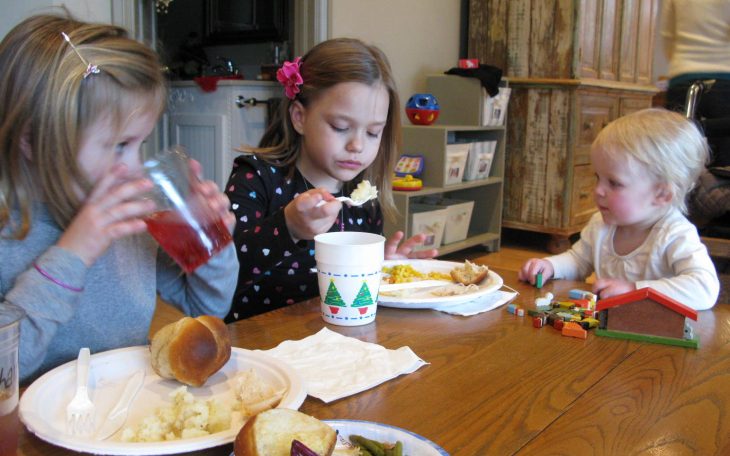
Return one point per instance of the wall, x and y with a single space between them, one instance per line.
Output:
419 37
15 11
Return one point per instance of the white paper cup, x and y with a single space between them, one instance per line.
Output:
348 271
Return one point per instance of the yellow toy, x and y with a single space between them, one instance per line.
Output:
407 183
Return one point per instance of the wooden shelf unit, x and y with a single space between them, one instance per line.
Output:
431 141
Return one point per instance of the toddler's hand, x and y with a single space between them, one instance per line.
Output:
605 288
217 200
111 211
305 220
532 267
395 252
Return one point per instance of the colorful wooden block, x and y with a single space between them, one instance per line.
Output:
572 329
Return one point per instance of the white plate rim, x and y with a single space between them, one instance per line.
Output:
494 283
341 423
293 399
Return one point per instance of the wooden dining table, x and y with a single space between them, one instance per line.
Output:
496 385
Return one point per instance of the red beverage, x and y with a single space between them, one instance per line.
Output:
9 430
188 247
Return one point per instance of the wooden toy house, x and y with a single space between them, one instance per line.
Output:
647 315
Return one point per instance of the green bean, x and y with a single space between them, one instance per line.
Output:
398 449
376 448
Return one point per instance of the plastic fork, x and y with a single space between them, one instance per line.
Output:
347 200
80 411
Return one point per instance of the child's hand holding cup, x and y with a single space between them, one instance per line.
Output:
184 223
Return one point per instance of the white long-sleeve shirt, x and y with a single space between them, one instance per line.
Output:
672 260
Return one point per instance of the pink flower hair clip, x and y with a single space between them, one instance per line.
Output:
90 69
290 77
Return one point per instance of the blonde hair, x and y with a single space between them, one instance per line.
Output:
46 106
670 147
329 63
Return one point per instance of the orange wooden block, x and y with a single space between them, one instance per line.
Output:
572 329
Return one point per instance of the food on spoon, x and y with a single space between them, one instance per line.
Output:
272 432
470 273
190 350
364 192
403 273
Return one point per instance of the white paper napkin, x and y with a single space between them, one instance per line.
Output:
481 304
334 366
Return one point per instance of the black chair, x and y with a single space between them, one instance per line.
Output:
709 202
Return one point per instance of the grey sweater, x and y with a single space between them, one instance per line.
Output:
119 297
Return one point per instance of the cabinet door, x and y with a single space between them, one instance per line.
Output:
203 136
629 38
581 198
648 12
633 104
590 37
594 112
609 34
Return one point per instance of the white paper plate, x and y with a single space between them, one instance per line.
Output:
413 444
424 299
43 405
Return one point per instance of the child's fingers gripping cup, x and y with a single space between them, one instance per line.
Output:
349 266
183 223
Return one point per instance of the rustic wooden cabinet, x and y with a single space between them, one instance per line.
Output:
573 65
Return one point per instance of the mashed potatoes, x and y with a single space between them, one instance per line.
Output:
189 417
364 192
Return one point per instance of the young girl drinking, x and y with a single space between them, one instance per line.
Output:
645 165
76 258
338 125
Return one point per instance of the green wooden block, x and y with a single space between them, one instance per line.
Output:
690 343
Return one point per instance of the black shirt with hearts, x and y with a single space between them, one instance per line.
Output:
274 270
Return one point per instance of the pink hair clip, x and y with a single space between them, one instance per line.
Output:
290 77
90 69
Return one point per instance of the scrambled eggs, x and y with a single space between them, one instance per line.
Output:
403 273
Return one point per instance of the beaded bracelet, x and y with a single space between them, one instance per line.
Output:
56 281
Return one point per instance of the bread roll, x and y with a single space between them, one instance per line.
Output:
470 273
191 349
271 433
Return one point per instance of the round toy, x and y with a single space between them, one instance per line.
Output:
407 183
422 109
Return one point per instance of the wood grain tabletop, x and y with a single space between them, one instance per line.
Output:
495 385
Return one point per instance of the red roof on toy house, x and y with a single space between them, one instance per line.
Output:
646 311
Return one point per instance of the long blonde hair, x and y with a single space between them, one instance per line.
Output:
46 105
667 145
329 63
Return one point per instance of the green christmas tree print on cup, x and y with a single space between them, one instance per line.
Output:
333 298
